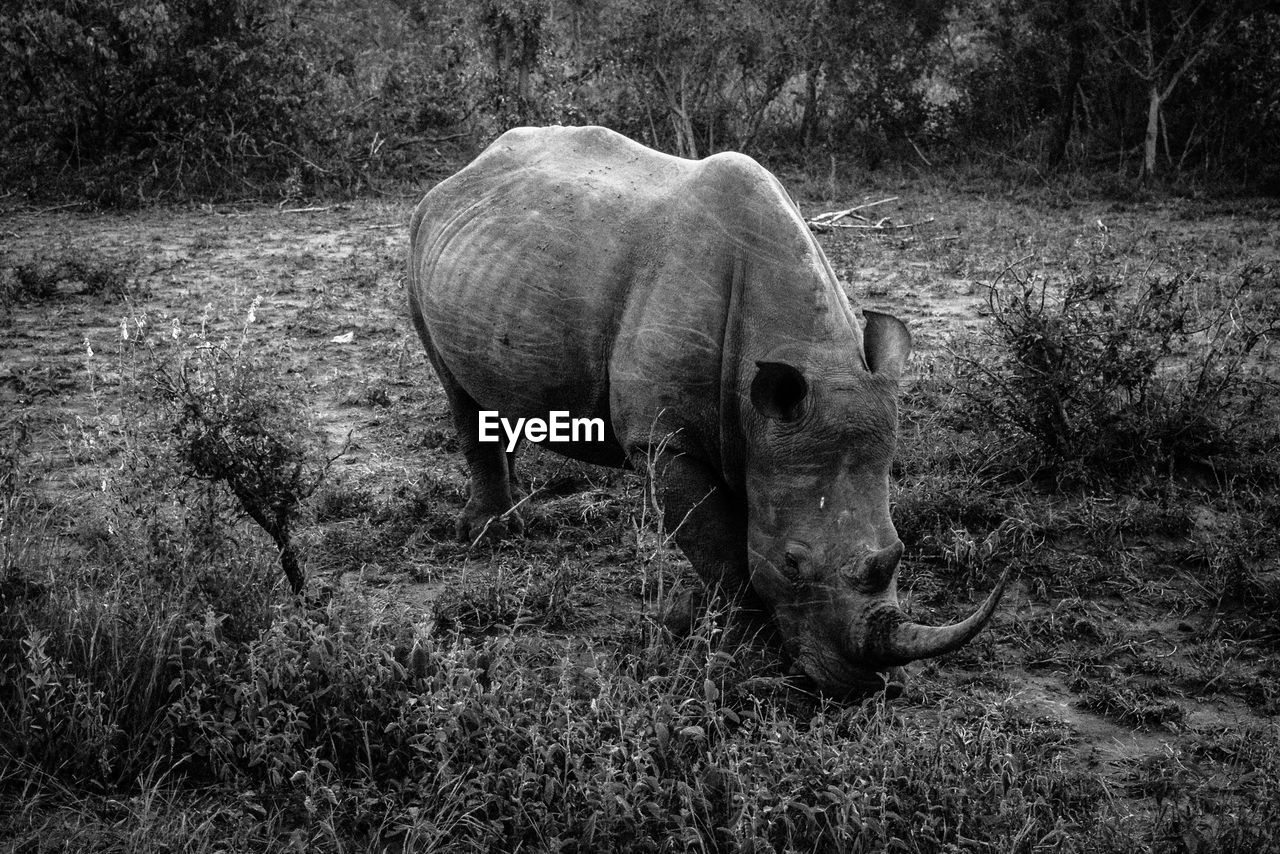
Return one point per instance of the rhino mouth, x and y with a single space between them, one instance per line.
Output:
843 680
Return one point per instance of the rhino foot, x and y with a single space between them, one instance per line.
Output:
475 526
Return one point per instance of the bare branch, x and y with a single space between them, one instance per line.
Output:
830 217
1208 40
883 225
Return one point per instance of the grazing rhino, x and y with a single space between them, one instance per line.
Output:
687 305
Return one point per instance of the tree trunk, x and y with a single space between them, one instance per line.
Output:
522 93
530 42
289 563
686 141
277 527
809 118
1153 133
1076 35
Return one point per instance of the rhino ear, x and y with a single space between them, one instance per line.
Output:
886 342
778 391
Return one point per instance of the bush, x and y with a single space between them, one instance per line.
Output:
127 102
233 422
1106 372
131 96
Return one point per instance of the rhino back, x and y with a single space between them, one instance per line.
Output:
522 263
574 269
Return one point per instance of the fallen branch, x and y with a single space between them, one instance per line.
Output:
883 225
61 207
307 210
830 217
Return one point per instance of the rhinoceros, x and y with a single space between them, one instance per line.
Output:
686 304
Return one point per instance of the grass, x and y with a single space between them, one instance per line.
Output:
351 721
160 689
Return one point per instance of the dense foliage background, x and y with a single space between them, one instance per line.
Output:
121 101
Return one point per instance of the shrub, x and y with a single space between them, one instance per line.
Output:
1117 373
125 92
232 421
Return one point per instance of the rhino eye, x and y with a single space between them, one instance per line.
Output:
792 561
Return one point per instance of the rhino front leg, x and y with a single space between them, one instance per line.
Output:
709 525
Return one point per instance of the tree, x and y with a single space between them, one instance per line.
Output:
862 64
710 67
514 32
1078 36
1159 41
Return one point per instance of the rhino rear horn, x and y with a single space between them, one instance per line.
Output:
905 641
886 342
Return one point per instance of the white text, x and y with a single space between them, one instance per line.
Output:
557 427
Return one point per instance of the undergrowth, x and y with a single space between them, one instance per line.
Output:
352 722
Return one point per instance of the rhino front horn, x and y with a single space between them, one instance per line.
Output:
906 641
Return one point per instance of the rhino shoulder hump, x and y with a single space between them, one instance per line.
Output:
734 166
558 142
736 174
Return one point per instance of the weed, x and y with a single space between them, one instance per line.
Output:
18 540
35 280
485 602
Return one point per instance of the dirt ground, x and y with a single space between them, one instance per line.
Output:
330 278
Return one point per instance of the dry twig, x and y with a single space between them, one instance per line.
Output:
831 219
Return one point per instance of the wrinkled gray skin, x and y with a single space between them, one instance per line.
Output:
573 269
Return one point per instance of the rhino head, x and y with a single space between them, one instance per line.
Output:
823 551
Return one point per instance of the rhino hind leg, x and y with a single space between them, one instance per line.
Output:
710 528
489 513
